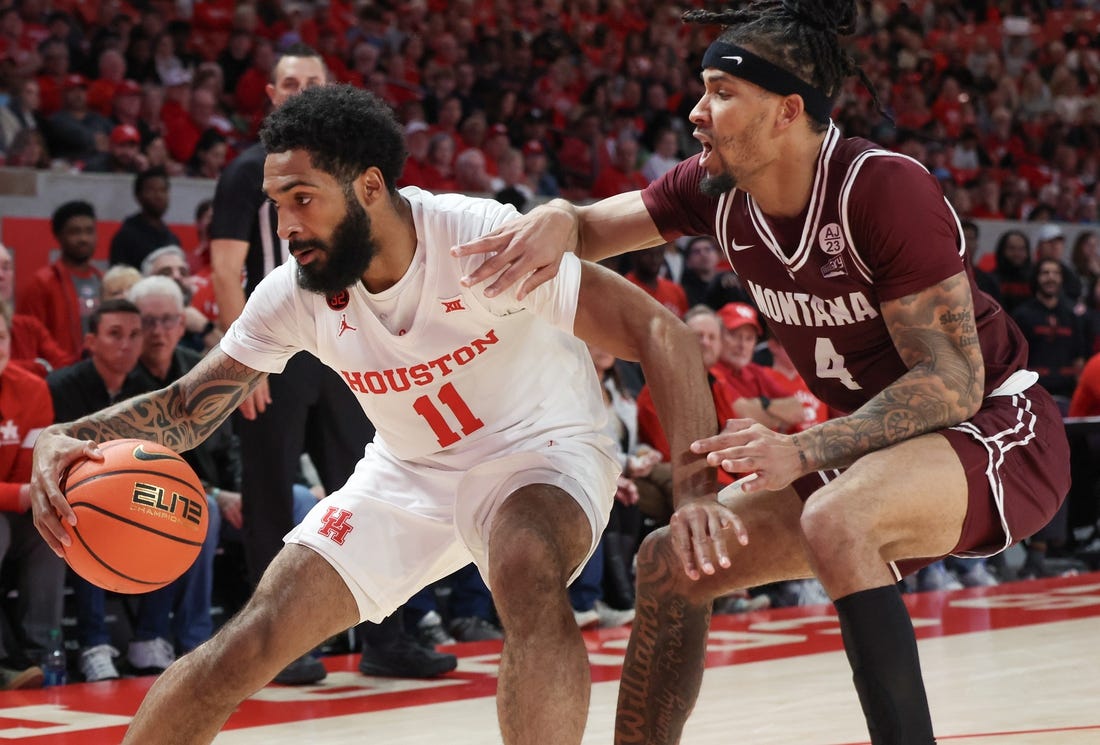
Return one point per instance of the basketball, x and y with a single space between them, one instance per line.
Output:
140 516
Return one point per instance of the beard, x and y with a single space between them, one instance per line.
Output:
716 186
346 255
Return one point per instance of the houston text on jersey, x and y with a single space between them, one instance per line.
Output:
425 373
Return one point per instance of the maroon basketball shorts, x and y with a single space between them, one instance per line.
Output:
1016 458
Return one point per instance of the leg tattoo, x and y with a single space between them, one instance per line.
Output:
664 660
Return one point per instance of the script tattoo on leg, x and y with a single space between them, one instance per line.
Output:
664 660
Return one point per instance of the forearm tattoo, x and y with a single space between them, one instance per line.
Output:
936 335
179 416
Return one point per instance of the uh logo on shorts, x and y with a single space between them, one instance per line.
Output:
335 525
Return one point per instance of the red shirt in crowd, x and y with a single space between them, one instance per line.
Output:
27 410
666 292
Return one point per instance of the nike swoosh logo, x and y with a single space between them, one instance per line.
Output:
141 454
738 60
735 247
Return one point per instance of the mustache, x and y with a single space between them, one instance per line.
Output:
300 245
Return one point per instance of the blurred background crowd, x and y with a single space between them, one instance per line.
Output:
521 100
584 98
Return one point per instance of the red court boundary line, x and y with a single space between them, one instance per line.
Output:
1010 733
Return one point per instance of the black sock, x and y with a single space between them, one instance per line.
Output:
882 649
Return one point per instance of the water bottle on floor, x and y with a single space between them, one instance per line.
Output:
54 664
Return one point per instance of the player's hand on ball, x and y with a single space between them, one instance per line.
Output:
54 454
701 529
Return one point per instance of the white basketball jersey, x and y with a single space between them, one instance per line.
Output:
470 378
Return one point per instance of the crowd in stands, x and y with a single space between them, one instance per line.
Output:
522 100
584 98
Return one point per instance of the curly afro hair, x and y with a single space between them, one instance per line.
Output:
345 130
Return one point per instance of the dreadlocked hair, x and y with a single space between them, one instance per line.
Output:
800 36
345 130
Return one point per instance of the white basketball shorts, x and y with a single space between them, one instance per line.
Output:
397 526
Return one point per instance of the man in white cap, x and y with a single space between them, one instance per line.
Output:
1050 243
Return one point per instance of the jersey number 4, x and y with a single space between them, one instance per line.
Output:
444 434
830 364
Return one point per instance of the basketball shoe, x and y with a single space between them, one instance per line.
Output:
150 657
305 670
430 631
602 616
405 658
97 663
474 629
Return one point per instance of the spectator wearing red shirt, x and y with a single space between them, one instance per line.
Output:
473 131
112 72
497 142
987 200
947 108
252 86
32 346
63 294
438 173
126 104
180 132
54 71
755 395
123 153
784 375
15 44
235 59
646 274
623 174
402 85
1086 395
38 572
582 154
417 139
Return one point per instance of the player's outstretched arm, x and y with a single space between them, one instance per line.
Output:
180 416
936 335
530 247
617 316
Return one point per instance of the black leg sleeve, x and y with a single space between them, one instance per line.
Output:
882 649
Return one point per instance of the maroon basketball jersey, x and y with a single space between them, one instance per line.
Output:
877 228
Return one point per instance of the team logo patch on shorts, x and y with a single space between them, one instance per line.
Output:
335 525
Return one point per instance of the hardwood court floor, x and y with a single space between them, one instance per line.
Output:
1017 664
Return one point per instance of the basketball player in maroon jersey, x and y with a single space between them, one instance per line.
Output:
856 260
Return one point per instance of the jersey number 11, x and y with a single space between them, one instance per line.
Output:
444 434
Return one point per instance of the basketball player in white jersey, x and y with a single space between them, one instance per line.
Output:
946 445
488 414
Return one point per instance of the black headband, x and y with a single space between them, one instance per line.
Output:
741 63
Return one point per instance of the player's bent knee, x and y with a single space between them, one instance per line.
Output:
827 528
658 565
248 638
528 567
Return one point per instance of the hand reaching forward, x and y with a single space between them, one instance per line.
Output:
745 446
700 531
54 454
530 246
